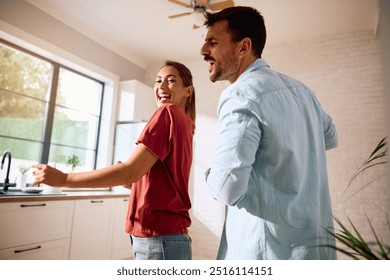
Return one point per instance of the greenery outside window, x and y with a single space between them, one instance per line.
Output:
48 112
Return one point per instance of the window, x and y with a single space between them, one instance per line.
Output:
48 112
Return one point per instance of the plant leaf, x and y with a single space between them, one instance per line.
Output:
379 152
356 243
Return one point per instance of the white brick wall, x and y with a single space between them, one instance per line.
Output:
345 73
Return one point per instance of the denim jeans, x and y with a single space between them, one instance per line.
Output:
164 247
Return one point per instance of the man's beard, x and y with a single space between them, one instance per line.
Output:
219 74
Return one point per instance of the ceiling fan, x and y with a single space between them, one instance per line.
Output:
200 7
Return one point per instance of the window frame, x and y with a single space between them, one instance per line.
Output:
51 104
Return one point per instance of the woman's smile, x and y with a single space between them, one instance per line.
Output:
164 97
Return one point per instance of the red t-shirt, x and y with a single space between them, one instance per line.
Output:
159 201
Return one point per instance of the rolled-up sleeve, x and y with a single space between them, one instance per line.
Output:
238 141
330 132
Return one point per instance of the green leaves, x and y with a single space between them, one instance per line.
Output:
355 245
73 161
376 158
359 248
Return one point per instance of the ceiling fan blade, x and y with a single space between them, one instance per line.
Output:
180 15
221 5
202 2
180 3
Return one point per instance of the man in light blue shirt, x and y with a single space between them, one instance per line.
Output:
269 167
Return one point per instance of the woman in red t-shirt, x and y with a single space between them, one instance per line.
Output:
157 172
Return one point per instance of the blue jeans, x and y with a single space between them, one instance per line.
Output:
163 247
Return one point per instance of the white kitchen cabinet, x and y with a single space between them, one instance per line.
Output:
136 101
121 245
65 229
92 230
33 230
50 250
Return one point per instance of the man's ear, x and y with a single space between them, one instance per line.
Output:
245 46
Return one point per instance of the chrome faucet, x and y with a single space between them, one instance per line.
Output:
6 181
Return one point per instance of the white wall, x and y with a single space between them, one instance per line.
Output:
384 34
39 25
345 73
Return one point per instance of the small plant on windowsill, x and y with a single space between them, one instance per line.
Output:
73 161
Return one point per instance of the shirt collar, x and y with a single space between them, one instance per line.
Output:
255 65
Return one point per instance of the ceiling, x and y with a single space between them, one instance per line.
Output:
141 31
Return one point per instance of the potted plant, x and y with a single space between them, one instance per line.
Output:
73 161
354 245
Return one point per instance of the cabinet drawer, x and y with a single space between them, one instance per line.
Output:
51 250
25 223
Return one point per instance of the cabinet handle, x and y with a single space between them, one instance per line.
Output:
33 205
97 201
30 249
125 199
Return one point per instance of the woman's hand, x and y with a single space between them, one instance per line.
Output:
48 175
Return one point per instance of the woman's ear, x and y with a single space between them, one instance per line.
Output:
189 91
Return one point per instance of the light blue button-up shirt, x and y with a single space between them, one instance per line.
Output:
269 168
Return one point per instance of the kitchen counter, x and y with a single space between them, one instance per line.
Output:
65 195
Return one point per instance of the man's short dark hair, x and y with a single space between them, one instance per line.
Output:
243 22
